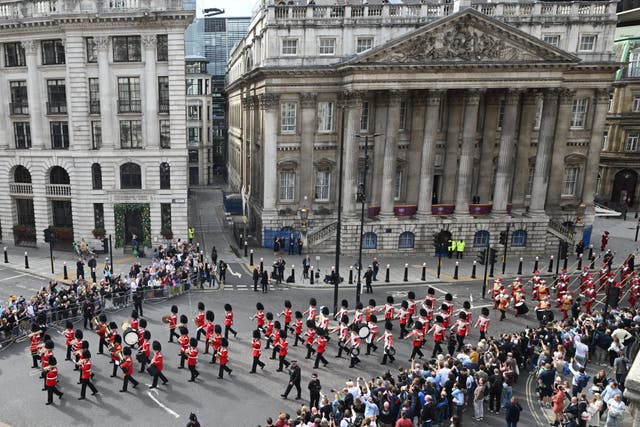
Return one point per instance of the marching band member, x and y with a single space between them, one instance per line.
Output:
439 331
268 329
323 320
45 355
418 340
275 338
228 321
343 333
542 308
288 314
444 315
145 349
411 308
344 310
83 346
448 301
35 342
183 340
354 343
116 352
483 322
102 333
223 358
311 336
208 329
503 304
173 322
358 315
635 290
389 309
199 320
543 290
321 342
259 316
282 353
76 347
112 331
461 328
590 295
142 327
256 344
216 342
85 376
297 328
373 333
387 338
51 380
311 312
535 280
157 365
69 335
369 310
403 315
133 323
567 302
431 296
496 289
192 359
518 297
127 370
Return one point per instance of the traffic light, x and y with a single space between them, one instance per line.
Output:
503 237
492 256
482 255
47 235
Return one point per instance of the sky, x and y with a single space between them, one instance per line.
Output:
232 8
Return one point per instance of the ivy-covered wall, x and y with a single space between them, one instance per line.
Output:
120 210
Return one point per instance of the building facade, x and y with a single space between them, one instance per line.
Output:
214 38
199 110
475 116
620 157
93 122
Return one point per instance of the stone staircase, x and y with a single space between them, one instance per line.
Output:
323 240
560 231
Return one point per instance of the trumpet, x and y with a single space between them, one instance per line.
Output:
29 336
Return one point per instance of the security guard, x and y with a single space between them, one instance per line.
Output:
451 248
460 249
190 233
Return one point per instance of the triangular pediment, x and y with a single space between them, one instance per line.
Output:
464 37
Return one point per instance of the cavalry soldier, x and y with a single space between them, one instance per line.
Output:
439 331
372 324
223 358
192 359
461 328
51 380
256 344
321 341
69 335
483 322
157 365
418 340
173 322
85 376
199 320
127 369
387 336
228 321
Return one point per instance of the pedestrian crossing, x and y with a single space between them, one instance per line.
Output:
242 287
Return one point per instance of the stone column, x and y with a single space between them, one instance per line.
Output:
381 109
269 103
6 127
593 154
543 154
352 102
34 95
152 139
106 95
247 104
559 150
505 158
465 167
454 121
308 103
390 155
487 148
427 167
521 177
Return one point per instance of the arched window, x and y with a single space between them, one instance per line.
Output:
481 239
369 240
22 175
58 176
165 176
96 176
519 238
130 176
407 240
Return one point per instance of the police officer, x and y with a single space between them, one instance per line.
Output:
314 391
368 277
191 232
294 380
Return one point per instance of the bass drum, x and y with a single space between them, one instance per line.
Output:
522 308
153 370
130 336
363 331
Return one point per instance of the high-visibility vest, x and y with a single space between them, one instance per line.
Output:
191 231
452 245
460 246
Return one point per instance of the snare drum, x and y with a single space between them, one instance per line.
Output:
354 351
130 336
153 370
141 358
363 331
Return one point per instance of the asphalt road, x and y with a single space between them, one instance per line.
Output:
239 400
14 281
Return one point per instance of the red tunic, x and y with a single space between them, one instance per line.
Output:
192 356
85 367
322 344
184 343
228 318
311 335
260 318
52 377
284 347
158 361
256 345
199 320
127 366
298 327
69 334
35 340
223 356
287 315
173 321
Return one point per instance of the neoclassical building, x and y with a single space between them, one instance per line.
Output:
92 132
475 117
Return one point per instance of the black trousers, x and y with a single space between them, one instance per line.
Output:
200 331
172 333
194 372
83 390
437 349
101 344
387 356
369 288
35 358
283 362
228 329
222 369
291 385
494 397
460 339
155 379
314 400
143 365
50 392
320 358
256 362
309 351
68 357
298 338
182 359
354 361
371 346
416 352
129 379
138 307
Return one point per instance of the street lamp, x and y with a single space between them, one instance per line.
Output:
362 198
304 221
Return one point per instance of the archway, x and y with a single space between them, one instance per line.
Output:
624 187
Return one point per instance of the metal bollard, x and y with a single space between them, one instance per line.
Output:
293 273
406 273
26 260
473 270
593 263
6 256
261 264
246 246
565 262
535 264
550 269
423 277
64 271
311 276
579 262
351 275
251 258
455 271
386 276
591 252
520 266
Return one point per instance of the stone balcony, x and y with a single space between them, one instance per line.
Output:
20 189
20 9
58 190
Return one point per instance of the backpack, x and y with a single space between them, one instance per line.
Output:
583 380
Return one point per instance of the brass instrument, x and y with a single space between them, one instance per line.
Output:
28 336
95 322
125 325
166 318
107 329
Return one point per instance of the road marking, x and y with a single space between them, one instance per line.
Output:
12 277
238 275
168 410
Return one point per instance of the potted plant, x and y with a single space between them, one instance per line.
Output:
166 232
19 228
99 233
